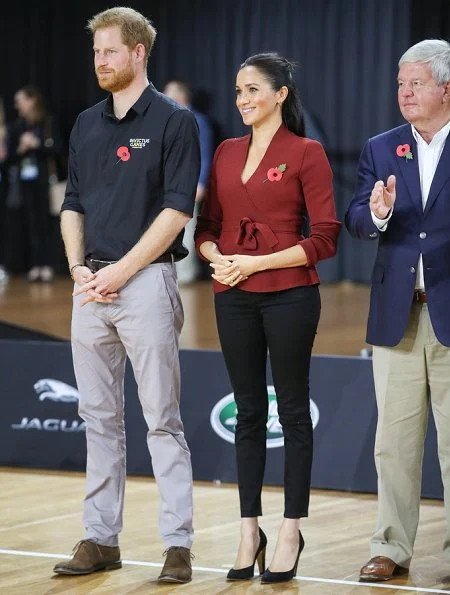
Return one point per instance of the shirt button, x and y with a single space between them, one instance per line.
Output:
412 270
422 235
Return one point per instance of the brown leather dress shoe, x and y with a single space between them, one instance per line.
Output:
380 569
88 556
177 567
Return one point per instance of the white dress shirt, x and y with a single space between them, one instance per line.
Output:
428 155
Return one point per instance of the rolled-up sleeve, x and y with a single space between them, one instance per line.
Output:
316 179
181 162
72 198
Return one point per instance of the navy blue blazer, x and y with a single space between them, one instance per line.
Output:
411 230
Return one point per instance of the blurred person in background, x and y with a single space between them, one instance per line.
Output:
33 142
188 269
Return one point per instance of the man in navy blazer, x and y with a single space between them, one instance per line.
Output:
403 200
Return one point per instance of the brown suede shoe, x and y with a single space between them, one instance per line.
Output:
177 567
380 569
88 556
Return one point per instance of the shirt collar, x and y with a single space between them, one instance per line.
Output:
138 108
440 135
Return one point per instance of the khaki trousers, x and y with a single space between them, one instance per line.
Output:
407 377
144 323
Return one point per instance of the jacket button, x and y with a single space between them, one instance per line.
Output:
422 235
412 270
373 235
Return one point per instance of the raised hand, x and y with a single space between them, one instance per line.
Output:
382 198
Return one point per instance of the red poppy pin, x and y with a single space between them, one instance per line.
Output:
123 154
274 174
404 151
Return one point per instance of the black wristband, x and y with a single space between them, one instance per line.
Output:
74 267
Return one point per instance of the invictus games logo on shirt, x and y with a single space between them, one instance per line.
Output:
223 419
57 391
138 143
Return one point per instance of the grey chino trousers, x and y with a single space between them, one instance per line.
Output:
144 323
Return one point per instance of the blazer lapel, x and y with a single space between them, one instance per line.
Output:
409 168
441 175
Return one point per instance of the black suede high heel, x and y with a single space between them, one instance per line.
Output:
247 573
288 575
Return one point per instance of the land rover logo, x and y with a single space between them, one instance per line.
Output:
223 419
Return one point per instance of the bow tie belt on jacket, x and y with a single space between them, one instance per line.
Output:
247 232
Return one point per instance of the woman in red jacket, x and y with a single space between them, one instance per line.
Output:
262 188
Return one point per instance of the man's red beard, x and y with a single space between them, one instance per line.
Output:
117 81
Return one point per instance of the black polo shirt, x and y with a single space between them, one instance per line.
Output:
123 173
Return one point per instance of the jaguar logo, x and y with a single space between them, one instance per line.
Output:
55 390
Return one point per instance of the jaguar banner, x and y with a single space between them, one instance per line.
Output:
40 426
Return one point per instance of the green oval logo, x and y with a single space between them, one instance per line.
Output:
223 419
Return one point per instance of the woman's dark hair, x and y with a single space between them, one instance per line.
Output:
278 71
40 107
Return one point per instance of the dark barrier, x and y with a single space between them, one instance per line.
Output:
12 331
39 425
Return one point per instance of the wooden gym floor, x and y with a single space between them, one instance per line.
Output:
47 308
40 522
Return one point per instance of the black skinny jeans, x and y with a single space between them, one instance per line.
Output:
285 323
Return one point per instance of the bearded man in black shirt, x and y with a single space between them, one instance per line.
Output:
133 170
